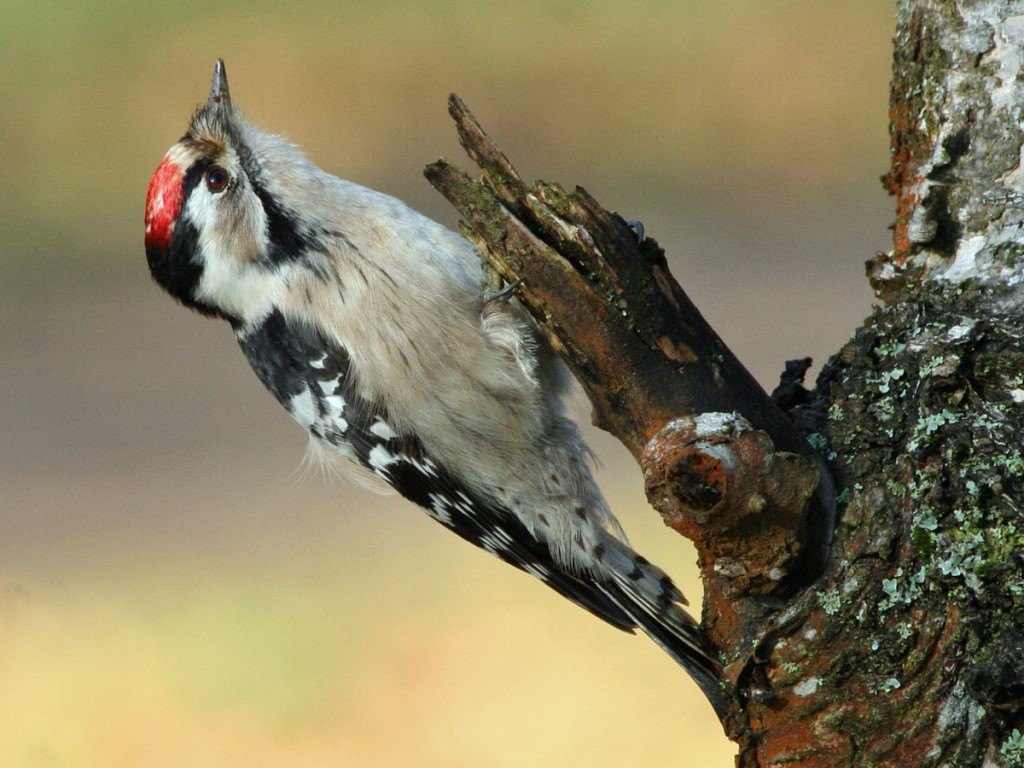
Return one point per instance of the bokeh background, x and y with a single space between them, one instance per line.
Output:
174 591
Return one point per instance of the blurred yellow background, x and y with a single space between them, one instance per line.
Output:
173 592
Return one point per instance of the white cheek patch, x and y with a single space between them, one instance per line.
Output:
231 244
247 292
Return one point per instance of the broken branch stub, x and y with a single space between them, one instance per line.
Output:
722 484
755 498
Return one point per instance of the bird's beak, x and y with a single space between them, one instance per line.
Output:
220 97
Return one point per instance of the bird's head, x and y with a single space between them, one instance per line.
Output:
217 231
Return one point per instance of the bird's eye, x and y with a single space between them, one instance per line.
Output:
217 179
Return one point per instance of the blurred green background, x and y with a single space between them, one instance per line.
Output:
173 590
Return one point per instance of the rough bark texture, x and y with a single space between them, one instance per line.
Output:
904 646
722 462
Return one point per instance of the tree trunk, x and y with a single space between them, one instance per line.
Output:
883 625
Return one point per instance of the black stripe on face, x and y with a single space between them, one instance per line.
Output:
288 242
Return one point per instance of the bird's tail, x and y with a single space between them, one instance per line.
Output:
649 597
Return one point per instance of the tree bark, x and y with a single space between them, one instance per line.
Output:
884 625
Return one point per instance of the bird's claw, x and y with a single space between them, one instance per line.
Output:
637 226
504 294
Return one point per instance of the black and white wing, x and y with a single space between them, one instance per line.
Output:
313 379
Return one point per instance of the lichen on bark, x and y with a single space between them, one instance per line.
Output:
957 134
924 596
919 616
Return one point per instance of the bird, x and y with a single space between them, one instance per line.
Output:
373 326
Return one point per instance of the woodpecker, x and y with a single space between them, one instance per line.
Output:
369 324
